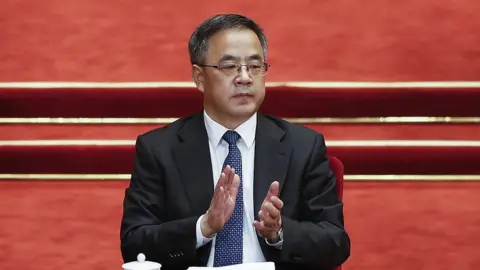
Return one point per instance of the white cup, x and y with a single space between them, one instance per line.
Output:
141 264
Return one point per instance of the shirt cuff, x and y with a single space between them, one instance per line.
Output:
278 244
201 240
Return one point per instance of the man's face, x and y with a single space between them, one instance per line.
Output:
232 93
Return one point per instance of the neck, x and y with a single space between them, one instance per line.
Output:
226 120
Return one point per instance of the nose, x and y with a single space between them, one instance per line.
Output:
243 77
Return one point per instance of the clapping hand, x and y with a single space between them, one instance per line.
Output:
222 204
270 221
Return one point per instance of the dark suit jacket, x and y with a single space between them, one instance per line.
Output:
172 186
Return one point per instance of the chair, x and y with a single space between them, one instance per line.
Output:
337 167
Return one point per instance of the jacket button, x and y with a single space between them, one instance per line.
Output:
296 257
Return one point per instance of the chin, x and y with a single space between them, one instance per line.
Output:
243 110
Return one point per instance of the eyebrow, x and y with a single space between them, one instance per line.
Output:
229 57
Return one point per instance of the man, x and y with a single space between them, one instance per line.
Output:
229 185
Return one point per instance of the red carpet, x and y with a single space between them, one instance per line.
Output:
281 101
394 226
342 40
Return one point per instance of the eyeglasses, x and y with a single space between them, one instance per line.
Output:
233 68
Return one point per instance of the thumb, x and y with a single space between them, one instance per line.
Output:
274 189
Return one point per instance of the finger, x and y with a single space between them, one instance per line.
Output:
273 190
229 201
227 170
269 206
268 221
217 202
262 229
271 224
235 186
222 180
258 225
218 195
277 203
230 180
271 210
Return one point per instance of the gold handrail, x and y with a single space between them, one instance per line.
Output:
352 177
304 120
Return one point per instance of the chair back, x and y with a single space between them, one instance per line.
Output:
337 167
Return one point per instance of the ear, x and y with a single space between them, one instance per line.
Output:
198 77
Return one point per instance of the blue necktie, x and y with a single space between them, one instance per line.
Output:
229 241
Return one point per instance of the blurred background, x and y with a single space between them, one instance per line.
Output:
393 85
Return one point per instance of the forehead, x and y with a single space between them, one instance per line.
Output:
240 43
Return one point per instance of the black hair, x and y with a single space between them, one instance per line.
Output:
198 43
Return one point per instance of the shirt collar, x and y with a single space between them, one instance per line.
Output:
246 130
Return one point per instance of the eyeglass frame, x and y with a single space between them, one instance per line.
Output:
239 66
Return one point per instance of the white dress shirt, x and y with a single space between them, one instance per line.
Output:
218 152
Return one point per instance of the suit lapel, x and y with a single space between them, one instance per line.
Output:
192 156
272 155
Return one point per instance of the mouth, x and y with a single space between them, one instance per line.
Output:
243 95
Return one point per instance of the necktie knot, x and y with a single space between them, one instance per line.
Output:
231 137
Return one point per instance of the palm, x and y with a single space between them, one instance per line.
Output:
228 209
223 203
224 212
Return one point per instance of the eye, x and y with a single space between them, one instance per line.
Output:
255 65
228 66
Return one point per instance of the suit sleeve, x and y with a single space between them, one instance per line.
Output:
144 227
318 239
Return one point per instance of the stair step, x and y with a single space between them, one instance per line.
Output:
364 149
116 158
434 131
284 100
